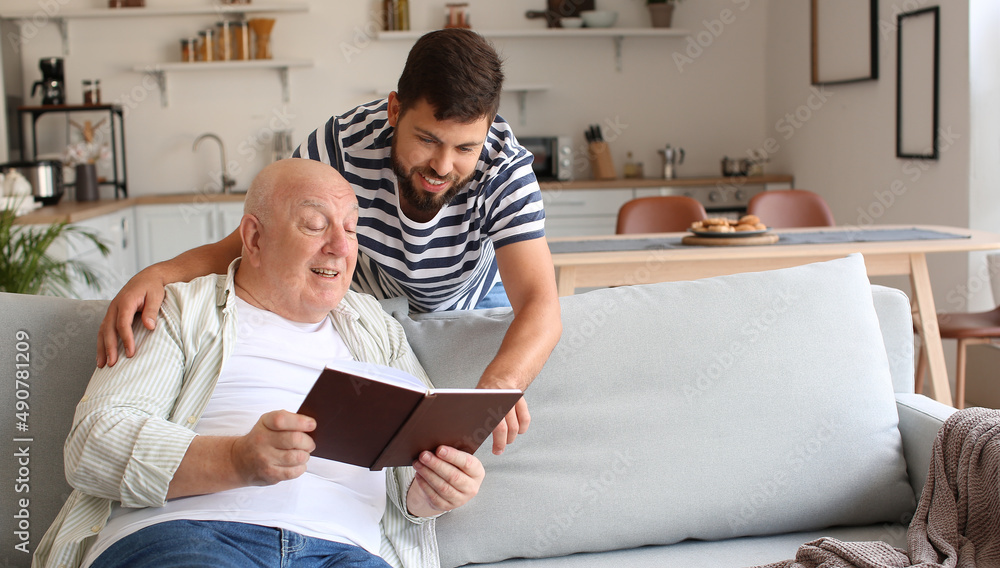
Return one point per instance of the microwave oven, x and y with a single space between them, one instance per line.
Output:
553 156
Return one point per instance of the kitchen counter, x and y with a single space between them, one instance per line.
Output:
75 212
660 182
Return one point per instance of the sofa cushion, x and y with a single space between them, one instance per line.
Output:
750 404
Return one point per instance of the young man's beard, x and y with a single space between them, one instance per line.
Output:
422 200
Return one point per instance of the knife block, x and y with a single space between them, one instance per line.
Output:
601 165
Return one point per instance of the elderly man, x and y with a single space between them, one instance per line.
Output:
188 454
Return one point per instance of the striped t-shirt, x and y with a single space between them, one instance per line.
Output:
447 263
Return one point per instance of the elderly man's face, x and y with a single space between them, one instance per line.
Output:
309 249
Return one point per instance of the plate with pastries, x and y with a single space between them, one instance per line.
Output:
720 227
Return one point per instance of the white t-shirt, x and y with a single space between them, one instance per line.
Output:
274 364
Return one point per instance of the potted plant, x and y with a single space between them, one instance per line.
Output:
27 268
661 12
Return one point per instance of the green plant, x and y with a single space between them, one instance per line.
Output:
27 268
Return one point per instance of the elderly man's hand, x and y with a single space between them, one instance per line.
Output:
275 450
446 480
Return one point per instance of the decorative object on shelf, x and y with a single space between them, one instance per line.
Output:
26 267
456 15
395 15
559 9
661 12
83 156
91 91
261 28
599 18
86 182
241 40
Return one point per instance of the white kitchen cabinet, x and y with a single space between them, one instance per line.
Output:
582 212
117 231
167 230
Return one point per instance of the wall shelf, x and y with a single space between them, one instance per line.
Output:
61 19
521 91
160 70
617 35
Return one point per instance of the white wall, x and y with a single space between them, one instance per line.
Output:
845 149
711 105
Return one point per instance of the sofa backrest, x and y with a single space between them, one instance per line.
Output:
750 404
57 337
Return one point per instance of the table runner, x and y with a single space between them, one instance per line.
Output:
812 237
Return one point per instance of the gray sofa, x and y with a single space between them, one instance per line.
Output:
720 422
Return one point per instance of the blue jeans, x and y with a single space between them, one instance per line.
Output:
219 544
495 298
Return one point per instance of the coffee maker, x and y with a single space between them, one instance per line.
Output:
52 83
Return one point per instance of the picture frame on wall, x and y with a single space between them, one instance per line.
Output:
918 67
844 44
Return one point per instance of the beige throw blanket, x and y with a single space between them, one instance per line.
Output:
957 522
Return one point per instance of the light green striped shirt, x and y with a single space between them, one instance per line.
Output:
134 423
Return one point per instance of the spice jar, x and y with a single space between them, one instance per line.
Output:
223 41
97 91
189 47
241 40
206 45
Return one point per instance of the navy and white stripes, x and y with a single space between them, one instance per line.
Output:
447 263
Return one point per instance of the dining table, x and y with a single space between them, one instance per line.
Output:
616 260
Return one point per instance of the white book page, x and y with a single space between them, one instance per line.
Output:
381 373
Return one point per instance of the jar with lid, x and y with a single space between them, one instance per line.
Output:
88 92
189 49
206 45
241 40
223 41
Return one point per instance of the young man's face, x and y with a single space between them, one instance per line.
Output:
432 159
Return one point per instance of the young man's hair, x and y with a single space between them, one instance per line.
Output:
457 72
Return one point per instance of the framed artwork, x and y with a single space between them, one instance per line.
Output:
844 41
917 83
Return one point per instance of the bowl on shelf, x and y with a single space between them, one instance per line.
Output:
599 18
571 22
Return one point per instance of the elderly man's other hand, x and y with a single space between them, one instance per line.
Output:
275 450
446 480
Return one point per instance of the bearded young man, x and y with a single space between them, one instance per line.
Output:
450 212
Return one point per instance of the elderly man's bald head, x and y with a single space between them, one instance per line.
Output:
299 233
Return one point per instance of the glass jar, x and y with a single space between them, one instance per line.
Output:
223 42
206 45
241 40
97 91
189 49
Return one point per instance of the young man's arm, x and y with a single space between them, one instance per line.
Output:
144 293
529 278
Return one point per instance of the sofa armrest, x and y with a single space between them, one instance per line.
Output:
920 418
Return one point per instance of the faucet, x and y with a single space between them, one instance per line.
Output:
227 182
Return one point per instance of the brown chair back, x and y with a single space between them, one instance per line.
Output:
787 208
660 214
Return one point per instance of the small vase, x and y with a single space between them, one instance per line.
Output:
661 14
86 183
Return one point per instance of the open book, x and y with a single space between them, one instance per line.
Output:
375 416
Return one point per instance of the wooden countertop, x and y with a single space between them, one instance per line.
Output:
74 211
660 182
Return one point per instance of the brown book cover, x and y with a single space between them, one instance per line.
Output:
374 416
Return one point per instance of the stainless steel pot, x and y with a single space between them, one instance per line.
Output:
45 177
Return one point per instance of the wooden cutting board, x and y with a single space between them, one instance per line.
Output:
765 239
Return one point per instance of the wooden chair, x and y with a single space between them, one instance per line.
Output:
969 329
787 208
660 214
